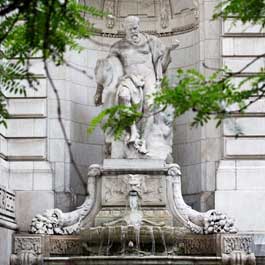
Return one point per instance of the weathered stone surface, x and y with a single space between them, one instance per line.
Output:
61 246
5 244
115 189
28 243
232 202
135 164
30 203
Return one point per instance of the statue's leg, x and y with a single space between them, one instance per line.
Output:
134 134
148 106
124 98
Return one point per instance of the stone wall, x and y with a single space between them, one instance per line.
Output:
198 150
23 150
76 86
240 177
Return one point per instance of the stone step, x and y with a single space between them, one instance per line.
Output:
133 260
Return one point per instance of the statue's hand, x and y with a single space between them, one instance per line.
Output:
175 45
98 99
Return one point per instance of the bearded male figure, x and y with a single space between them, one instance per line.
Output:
142 61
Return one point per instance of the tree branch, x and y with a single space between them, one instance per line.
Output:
59 113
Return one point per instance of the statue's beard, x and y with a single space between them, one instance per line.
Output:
135 37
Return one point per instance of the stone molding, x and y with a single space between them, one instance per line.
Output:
160 18
238 258
7 209
37 248
175 31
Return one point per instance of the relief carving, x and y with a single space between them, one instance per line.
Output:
65 246
210 222
2 199
55 221
196 246
27 244
26 258
238 258
164 14
116 189
7 202
238 244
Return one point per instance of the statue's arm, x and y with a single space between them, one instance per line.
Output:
166 60
98 95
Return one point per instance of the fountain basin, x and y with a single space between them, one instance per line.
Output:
128 239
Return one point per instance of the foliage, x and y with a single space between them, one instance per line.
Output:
252 11
215 97
116 120
37 28
210 97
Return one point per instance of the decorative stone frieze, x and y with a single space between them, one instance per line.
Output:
27 243
27 250
65 246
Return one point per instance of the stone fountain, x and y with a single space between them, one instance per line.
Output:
135 212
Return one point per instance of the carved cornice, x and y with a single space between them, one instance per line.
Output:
175 31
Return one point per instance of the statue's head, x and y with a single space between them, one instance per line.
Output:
132 28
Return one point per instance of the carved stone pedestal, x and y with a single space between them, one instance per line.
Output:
135 214
122 176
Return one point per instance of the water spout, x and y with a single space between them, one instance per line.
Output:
137 238
135 216
101 238
124 231
153 239
163 239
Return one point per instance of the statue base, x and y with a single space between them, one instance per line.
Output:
147 178
136 215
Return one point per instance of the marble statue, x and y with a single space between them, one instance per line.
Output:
131 74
